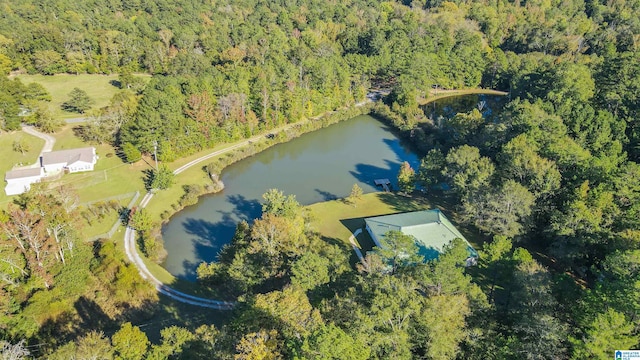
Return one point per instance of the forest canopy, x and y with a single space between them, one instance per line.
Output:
552 181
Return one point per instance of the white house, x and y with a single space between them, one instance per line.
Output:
20 180
74 160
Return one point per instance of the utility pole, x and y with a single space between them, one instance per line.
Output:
155 153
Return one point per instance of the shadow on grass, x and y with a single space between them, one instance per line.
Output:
400 203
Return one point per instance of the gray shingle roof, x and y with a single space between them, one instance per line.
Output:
22 173
68 156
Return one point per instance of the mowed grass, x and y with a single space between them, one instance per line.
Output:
111 176
337 219
12 158
100 89
163 199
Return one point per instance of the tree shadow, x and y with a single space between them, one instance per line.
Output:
401 203
208 239
327 196
244 209
92 317
403 151
367 173
210 236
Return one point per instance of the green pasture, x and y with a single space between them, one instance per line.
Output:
100 89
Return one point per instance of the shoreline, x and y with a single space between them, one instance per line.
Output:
248 147
234 153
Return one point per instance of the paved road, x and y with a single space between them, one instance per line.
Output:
134 257
130 237
49 141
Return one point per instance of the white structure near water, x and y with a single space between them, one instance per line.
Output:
51 163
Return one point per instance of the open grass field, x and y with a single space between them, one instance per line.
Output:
12 158
100 89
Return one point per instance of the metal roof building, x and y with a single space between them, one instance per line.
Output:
431 229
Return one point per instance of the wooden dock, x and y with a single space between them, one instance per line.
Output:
385 183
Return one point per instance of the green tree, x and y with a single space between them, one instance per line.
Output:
355 195
289 311
466 170
441 327
78 101
45 120
130 343
331 342
162 178
94 345
609 330
276 203
398 250
502 211
430 171
406 178
131 153
462 125
141 220
520 161
261 345
174 340
309 271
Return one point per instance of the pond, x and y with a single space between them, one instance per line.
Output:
317 166
449 106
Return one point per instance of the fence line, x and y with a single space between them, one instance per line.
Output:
115 197
118 222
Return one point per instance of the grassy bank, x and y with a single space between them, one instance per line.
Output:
338 219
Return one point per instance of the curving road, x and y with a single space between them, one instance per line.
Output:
130 237
134 257
49 140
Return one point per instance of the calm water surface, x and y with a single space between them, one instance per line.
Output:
315 167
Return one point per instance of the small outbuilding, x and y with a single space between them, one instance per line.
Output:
431 230
20 180
73 160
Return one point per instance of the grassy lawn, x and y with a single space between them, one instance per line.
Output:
100 89
11 158
338 220
111 177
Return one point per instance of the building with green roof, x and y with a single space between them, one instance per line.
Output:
430 228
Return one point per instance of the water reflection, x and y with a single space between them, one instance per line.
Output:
318 166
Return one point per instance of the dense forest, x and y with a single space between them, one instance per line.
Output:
552 181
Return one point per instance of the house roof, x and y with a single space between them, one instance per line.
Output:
68 156
23 173
431 229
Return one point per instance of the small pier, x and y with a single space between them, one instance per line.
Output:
385 183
